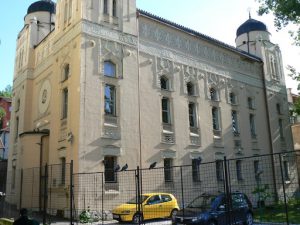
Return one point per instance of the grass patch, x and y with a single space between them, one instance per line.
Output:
276 213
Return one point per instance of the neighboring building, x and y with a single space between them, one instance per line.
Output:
5 107
95 83
295 121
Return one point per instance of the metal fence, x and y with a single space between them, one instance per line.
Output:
54 192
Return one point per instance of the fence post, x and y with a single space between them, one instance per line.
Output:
227 192
182 194
102 201
21 188
71 192
45 194
138 192
283 188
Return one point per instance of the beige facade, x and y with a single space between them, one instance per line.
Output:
175 91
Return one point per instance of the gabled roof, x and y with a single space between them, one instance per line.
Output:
198 35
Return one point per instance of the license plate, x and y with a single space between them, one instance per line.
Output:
116 216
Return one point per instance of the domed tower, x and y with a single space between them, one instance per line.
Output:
40 18
249 36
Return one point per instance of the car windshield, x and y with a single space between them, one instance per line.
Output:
134 200
203 201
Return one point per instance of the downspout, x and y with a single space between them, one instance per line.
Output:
270 134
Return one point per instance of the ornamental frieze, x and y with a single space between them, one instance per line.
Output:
154 33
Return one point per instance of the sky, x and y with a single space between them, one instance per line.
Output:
218 19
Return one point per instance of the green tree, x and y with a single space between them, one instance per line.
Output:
285 12
7 92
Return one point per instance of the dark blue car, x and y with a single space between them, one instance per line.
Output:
211 209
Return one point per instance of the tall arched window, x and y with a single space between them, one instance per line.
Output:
114 8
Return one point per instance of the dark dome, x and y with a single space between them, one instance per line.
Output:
46 6
251 25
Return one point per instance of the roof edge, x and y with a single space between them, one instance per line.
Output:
198 34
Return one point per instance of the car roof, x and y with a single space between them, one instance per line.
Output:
157 193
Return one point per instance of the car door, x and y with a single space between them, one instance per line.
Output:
152 208
167 205
238 208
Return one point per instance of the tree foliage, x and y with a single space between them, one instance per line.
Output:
285 12
7 92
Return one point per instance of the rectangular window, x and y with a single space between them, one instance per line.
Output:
65 103
252 125
109 69
196 170
165 106
235 125
192 114
286 171
280 126
17 129
13 178
215 118
250 103
63 171
219 170
168 170
105 6
109 172
110 100
257 171
239 170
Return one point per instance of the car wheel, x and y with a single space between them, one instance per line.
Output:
249 219
173 213
211 222
137 218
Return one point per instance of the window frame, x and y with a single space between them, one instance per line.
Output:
114 8
109 69
239 172
232 98
219 170
168 170
213 94
216 118
65 103
192 115
110 100
105 7
235 122
190 89
196 170
165 85
252 125
110 176
166 111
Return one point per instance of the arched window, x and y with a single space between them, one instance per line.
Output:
66 72
213 94
190 88
109 69
114 8
164 83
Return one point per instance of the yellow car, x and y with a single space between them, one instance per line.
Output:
153 206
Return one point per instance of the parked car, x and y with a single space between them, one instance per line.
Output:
210 209
152 206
